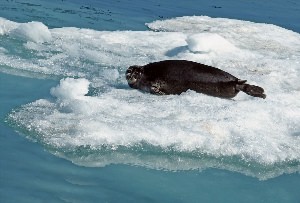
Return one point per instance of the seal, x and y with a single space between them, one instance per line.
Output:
177 76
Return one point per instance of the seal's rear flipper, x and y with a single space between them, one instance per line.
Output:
252 90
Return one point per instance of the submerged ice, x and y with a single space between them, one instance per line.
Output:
95 119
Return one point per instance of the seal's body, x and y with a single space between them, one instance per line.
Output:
177 76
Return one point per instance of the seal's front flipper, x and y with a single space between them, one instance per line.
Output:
252 90
155 89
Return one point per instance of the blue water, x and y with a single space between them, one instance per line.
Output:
30 173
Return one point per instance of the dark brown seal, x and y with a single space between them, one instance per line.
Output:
177 76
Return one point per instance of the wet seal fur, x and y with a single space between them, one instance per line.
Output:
177 76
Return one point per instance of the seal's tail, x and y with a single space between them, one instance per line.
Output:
252 90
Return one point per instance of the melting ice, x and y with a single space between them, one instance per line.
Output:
97 119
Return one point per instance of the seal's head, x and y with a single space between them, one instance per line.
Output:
133 75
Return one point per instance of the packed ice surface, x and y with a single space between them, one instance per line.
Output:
32 31
209 43
95 119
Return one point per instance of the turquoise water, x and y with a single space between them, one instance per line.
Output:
34 168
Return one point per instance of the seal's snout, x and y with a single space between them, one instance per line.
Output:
129 73
133 74
128 76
